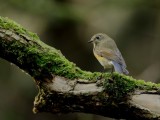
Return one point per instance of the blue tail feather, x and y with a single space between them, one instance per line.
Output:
119 68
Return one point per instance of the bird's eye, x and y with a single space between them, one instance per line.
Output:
97 37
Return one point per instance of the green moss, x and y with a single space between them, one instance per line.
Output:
59 65
8 24
121 85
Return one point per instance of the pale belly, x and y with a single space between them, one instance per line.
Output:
104 62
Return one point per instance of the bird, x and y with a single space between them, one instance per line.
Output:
108 54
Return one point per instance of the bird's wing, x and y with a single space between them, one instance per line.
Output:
118 53
116 58
112 55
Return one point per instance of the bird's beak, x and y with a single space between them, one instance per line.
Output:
90 41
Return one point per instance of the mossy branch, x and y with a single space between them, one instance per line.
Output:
64 87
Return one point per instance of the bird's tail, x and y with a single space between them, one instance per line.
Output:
119 68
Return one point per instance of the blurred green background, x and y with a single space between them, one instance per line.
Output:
68 25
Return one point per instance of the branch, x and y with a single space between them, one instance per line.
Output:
64 87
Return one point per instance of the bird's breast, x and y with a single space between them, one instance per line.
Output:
103 61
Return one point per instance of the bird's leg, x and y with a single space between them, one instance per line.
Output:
112 70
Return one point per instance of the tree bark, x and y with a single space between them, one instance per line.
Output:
64 87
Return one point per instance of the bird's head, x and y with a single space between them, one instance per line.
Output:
97 38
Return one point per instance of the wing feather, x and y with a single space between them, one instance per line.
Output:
115 56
